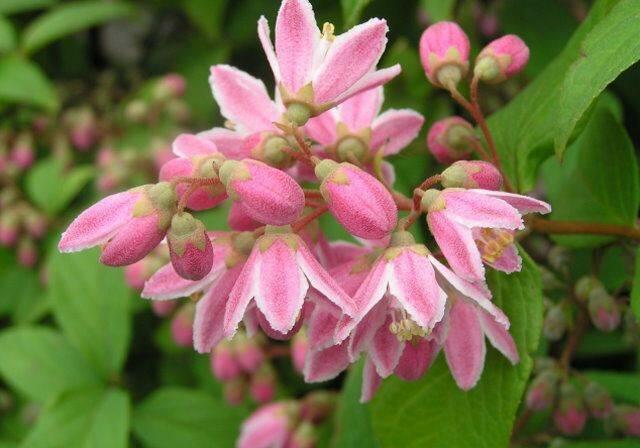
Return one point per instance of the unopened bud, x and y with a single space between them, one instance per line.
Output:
549 280
9 221
570 416
559 257
189 247
22 153
299 349
542 390
163 308
304 436
598 400
555 322
501 59
444 52
263 384
449 140
27 252
627 420
248 352
170 86
298 113
182 325
472 174
235 390
585 285
603 310
319 405
224 364
35 223
273 151
137 110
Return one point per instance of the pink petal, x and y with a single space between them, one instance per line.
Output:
189 145
509 261
208 321
352 55
268 427
359 111
323 282
322 128
281 286
238 219
370 381
395 129
416 359
99 222
242 293
472 209
524 204
326 364
457 245
264 34
413 283
465 348
321 328
499 337
242 98
370 81
133 241
385 350
373 288
230 143
366 329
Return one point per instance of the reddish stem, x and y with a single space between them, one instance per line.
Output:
307 219
570 227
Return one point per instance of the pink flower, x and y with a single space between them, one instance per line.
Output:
182 326
131 224
356 129
163 308
472 174
570 416
449 140
270 426
444 52
248 352
472 226
189 247
627 420
543 390
314 71
268 195
603 310
278 276
224 362
263 384
501 59
357 199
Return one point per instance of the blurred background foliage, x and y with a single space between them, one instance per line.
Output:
83 361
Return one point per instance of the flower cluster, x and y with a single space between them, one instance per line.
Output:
388 298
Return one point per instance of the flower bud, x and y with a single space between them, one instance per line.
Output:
267 194
357 200
163 308
444 52
555 323
22 153
603 310
570 416
136 110
501 59
559 257
272 150
626 419
83 131
263 384
224 364
9 222
248 352
299 349
235 390
448 140
239 220
182 325
542 390
27 252
35 223
585 285
319 405
472 174
304 436
549 280
189 247
598 400
170 86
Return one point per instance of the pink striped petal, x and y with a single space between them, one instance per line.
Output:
321 328
373 288
242 98
190 145
264 34
352 55
133 241
509 261
465 348
359 111
395 129
416 359
326 364
370 381
322 128
499 337
457 245
385 350
413 283
97 224
524 204
230 143
297 36
366 329
241 294
281 286
472 209
370 81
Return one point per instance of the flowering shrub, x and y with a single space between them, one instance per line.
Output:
240 221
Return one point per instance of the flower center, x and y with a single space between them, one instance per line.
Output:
406 328
493 242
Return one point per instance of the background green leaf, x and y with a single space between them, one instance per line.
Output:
352 11
23 82
623 387
16 6
635 288
438 10
7 35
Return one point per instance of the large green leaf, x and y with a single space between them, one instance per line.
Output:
23 82
207 15
15 6
90 418
52 187
433 412
174 417
352 11
91 303
41 364
524 130
597 181
7 35
70 18
635 288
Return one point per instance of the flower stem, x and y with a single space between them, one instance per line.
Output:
307 219
573 227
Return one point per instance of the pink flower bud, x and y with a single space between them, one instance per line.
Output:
598 400
304 436
22 153
444 52
204 197
570 416
501 59
248 352
603 310
585 286
472 174
8 227
542 391
555 323
35 223
299 348
163 308
263 384
27 252
627 420
269 426
268 195
182 325
134 275
172 85
83 129
224 363
239 220
357 200
235 390
449 140
189 247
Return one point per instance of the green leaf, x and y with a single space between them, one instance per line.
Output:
627 443
91 303
352 11
41 364
23 82
7 35
438 10
635 288
15 6
353 420
598 180
70 18
51 187
91 418
624 387
173 417
612 47
207 15
433 412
